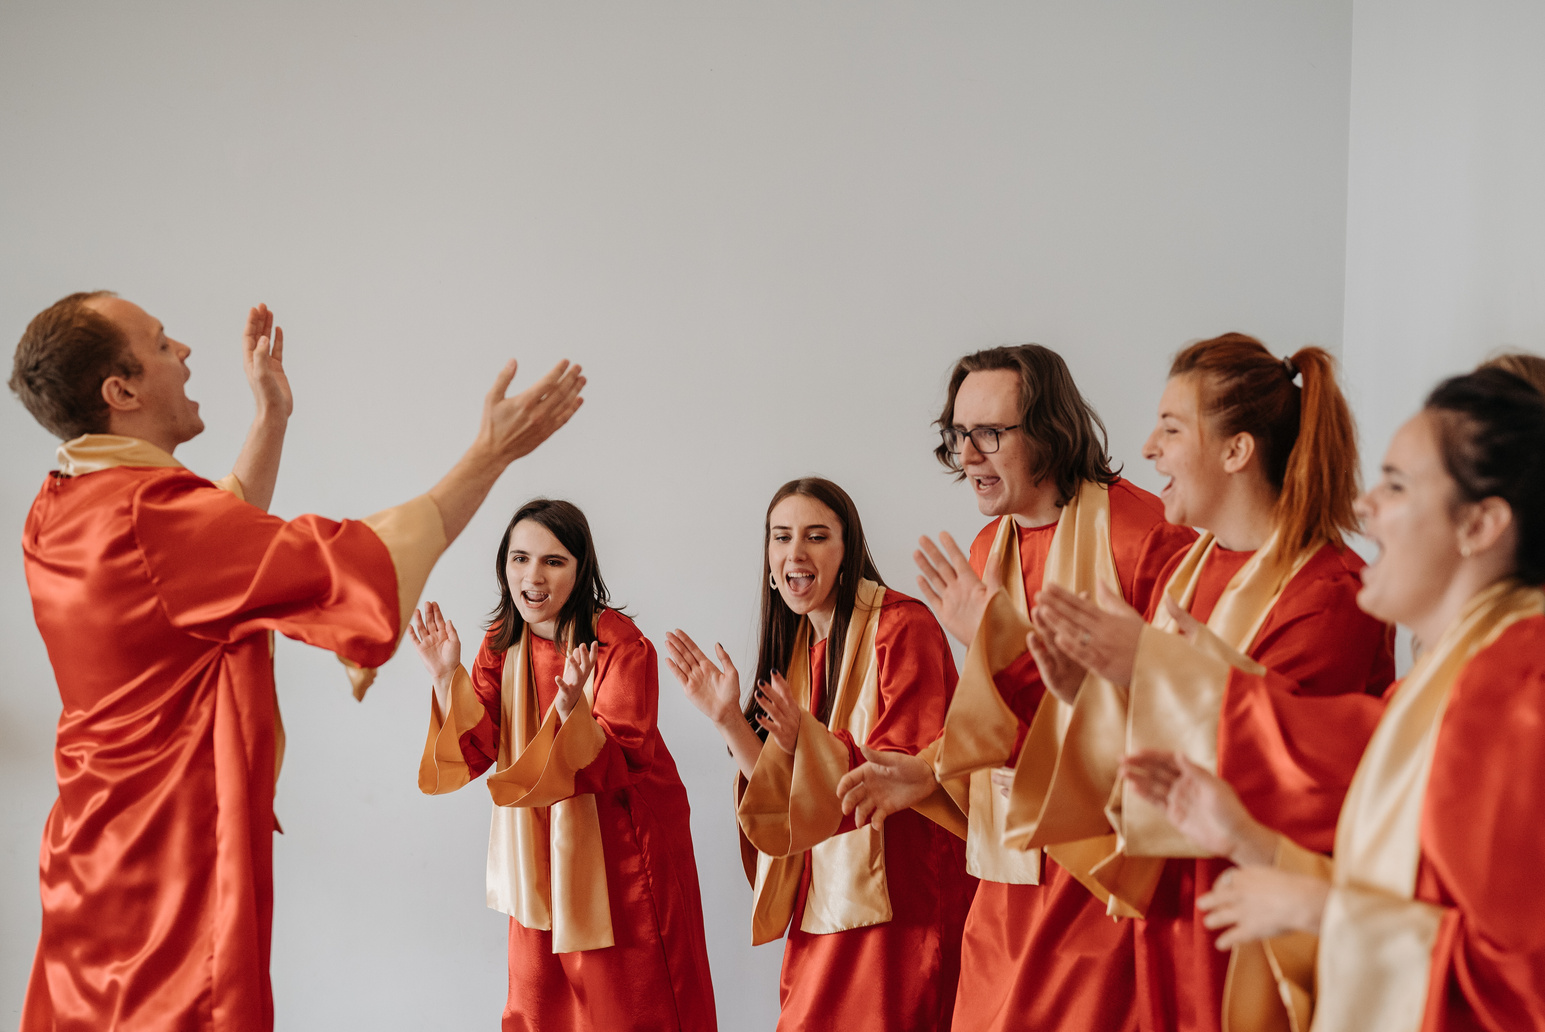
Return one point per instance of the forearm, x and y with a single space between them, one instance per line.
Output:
442 689
257 467
744 745
461 491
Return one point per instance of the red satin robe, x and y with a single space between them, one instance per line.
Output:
154 591
1047 956
900 974
1482 840
1315 644
656 975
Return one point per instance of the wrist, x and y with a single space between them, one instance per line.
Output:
1254 844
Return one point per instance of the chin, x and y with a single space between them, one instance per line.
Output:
1368 601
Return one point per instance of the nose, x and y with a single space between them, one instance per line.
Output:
183 351
1362 507
1151 446
969 453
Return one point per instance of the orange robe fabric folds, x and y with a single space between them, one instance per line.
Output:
154 591
902 973
1480 838
1290 764
655 976
1047 956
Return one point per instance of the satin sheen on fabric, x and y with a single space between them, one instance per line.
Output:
155 593
1312 642
899 973
1379 938
655 976
1047 957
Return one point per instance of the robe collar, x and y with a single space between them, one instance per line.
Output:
91 453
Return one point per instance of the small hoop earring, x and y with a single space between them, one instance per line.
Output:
772 580
842 576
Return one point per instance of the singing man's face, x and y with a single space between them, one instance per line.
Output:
160 386
1000 480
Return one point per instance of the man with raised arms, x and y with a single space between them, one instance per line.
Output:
156 593
1040 951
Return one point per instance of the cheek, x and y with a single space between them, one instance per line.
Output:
564 586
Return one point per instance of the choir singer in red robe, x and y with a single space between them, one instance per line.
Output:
1258 616
1428 915
156 593
590 851
1041 950
873 915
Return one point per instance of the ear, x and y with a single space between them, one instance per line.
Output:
1483 525
120 395
1237 452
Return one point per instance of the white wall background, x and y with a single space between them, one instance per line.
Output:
767 231
1446 198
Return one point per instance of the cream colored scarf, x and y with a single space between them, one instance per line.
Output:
789 808
546 865
1375 939
1051 801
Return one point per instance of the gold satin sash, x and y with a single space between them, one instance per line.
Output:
789 807
1375 939
1173 704
1056 800
546 865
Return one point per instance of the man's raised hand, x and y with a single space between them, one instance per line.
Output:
948 584
513 426
262 357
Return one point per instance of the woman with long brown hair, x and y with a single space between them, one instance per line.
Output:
1262 605
590 851
845 665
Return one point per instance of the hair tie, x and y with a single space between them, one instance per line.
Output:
1290 367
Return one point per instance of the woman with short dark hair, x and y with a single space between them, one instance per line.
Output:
591 847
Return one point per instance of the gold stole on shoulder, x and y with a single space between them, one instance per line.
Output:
546 866
789 808
1050 803
1376 940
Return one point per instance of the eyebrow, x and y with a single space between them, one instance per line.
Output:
813 526
1387 468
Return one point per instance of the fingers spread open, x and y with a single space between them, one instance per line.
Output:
502 382
958 560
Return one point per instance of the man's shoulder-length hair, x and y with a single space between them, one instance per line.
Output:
1068 441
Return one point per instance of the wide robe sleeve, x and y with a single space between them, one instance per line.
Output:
1481 840
463 739
1143 548
1224 709
224 570
602 746
791 801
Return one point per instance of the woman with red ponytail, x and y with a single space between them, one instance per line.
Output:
1253 661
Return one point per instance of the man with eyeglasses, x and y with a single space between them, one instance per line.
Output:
1040 949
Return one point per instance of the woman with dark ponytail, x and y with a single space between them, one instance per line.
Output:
1261 453
846 666
1428 915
